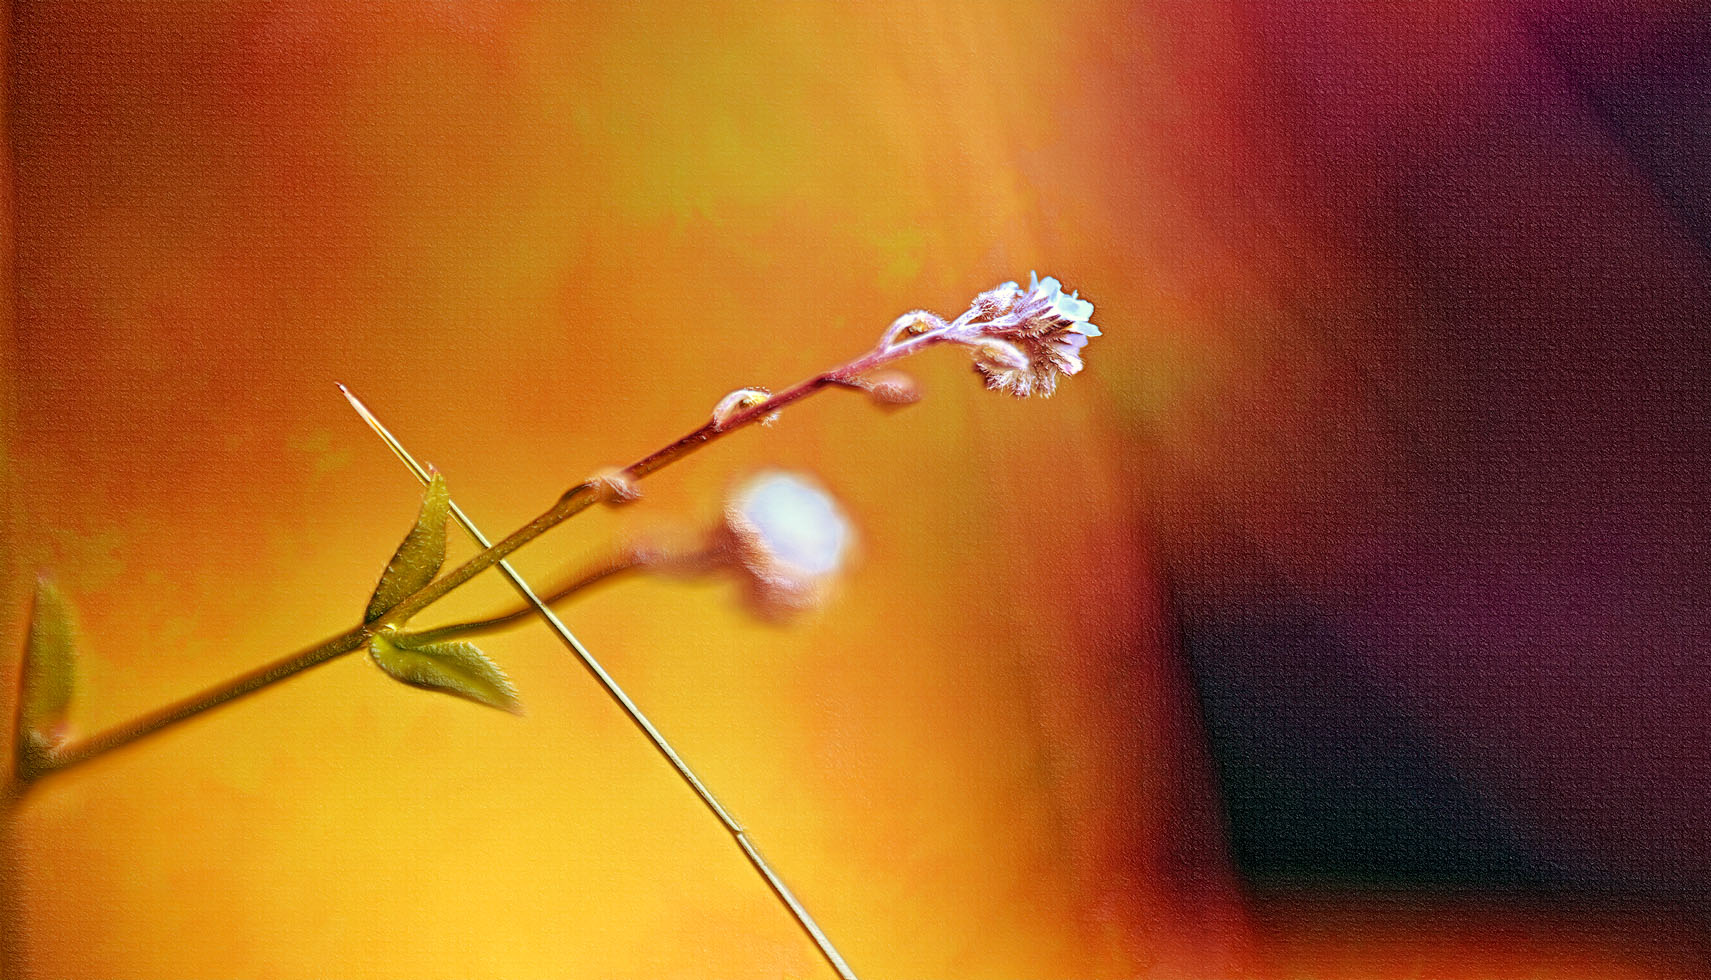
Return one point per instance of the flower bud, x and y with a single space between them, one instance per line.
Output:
738 402
1000 354
911 324
789 540
612 487
893 389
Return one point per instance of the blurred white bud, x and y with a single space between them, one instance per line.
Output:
788 538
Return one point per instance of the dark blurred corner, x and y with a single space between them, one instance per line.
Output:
1325 778
1503 687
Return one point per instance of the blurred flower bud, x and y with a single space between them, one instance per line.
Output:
738 402
893 389
788 538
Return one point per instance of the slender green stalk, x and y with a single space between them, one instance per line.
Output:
124 734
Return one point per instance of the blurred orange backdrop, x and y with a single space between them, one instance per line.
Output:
542 239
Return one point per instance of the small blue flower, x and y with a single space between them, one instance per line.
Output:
1024 340
1062 306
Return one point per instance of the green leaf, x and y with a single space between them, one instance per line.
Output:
419 558
50 661
455 668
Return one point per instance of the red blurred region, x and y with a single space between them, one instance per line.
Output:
1462 254
1512 186
1371 937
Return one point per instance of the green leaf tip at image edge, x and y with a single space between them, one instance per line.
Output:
50 661
455 668
419 558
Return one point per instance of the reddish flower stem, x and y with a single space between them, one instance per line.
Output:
572 502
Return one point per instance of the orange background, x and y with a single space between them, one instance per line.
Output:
544 239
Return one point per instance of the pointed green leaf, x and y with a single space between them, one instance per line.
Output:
419 558
50 662
455 668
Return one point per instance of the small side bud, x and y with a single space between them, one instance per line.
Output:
613 488
911 324
738 402
1000 354
893 389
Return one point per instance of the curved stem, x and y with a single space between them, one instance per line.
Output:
626 561
574 501
585 495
